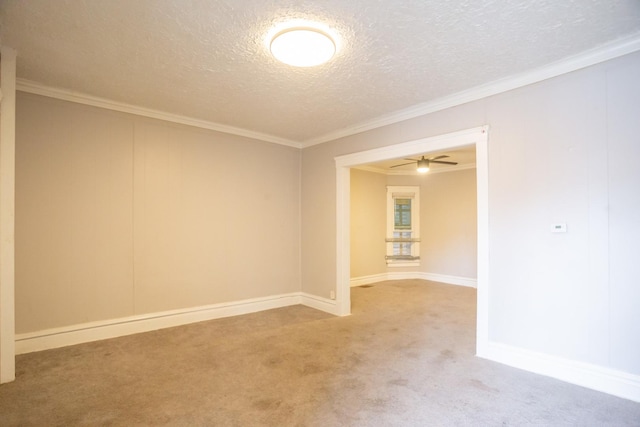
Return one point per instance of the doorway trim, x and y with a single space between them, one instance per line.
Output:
475 136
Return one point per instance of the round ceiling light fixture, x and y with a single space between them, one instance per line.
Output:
302 47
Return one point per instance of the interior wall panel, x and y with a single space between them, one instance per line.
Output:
560 151
120 215
368 223
73 214
623 111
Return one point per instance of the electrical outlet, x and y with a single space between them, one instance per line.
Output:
332 294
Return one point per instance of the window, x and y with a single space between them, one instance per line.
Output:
403 226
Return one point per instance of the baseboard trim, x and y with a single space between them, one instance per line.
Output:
595 377
95 331
402 275
319 303
367 280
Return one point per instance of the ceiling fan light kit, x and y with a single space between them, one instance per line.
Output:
423 165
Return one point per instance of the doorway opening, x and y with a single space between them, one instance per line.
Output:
477 137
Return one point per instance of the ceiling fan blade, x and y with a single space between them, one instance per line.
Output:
404 164
439 157
444 163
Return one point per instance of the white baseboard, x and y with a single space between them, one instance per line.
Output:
94 331
595 377
319 303
402 275
366 280
451 280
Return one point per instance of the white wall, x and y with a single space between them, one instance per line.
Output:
119 215
561 150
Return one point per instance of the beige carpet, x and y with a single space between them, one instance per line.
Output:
404 358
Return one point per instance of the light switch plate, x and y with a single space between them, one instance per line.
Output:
559 228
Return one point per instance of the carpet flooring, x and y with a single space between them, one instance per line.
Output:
404 358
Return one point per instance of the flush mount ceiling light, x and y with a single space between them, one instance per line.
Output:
302 47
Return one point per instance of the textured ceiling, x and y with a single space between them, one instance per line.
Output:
208 59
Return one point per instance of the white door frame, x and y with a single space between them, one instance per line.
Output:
475 136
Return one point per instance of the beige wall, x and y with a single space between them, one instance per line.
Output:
118 215
448 222
7 213
368 223
559 151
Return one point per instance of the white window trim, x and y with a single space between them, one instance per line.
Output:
411 192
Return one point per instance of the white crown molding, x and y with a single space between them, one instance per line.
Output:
591 57
81 98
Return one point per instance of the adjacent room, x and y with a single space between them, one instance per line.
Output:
319 213
439 243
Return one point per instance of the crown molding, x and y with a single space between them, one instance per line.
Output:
591 57
588 58
81 98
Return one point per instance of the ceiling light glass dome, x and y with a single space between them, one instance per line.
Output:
303 47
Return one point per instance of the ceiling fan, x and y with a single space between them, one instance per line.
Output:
423 164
